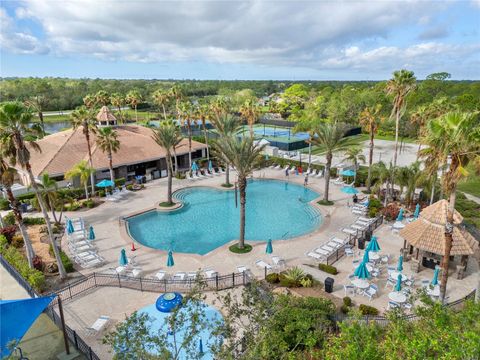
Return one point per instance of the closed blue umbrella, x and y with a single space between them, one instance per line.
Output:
269 249
398 285
123 258
417 211
400 215
366 258
361 271
170 261
373 246
435 276
200 347
400 264
349 190
91 233
70 228
194 166
210 166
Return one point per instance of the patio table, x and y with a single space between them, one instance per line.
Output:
374 255
397 296
394 275
398 225
360 283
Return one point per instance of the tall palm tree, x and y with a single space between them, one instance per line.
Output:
402 83
244 155
455 139
186 113
354 154
161 98
329 136
370 119
176 93
134 98
38 103
107 141
84 117
89 101
7 177
15 132
102 98
250 111
226 126
380 175
118 100
82 171
220 106
203 112
49 191
167 135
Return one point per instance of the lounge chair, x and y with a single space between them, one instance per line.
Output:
287 167
319 174
195 177
350 231
242 268
339 182
98 325
209 273
221 170
322 251
121 269
292 170
349 185
339 241
81 248
392 305
192 275
179 276
371 291
349 252
333 244
137 272
327 248
358 227
358 212
160 275
262 264
94 262
273 166
278 261
349 289
188 177
315 255
369 220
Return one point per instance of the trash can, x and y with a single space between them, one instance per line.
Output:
329 285
361 243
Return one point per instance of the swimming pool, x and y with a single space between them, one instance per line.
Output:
209 219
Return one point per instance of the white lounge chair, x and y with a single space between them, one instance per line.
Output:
359 212
242 268
99 325
369 220
192 275
209 273
222 171
358 227
349 185
350 231
319 174
292 170
315 255
335 180
137 272
94 262
179 276
327 248
322 251
188 177
278 261
287 167
160 275
333 244
339 241
262 264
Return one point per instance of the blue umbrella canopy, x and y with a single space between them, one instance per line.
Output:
361 271
400 215
91 233
400 264
349 190
373 246
269 248
417 211
105 183
170 261
398 285
210 166
70 228
366 258
200 347
123 258
348 173
194 166
435 276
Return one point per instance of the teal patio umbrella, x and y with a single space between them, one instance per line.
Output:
435 276
170 261
210 166
366 258
194 166
373 246
70 228
269 249
105 183
400 215
398 285
349 190
417 211
361 271
400 264
91 233
200 347
123 258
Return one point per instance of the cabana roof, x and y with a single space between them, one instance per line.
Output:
105 114
428 231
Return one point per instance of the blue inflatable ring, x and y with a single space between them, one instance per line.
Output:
168 301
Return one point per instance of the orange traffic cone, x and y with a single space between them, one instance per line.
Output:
133 247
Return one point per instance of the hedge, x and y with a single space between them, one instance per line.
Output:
120 182
328 269
368 310
34 221
67 263
4 204
15 258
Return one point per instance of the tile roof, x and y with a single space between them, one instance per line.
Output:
428 232
105 114
61 151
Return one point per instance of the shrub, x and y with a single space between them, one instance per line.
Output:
368 310
17 241
273 278
26 196
362 175
101 193
328 269
67 263
374 206
289 282
120 182
4 204
344 309
347 301
74 206
130 187
8 231
391 211
37 263
306 282
9 219
34 221
18 261
89 203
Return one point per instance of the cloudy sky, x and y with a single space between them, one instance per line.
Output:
358 40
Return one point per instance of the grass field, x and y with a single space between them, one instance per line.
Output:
471 184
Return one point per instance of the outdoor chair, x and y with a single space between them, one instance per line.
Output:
137 272
278 261
98 325
160 275
262 264
209 273
319 174
179 276
385 259
349 289
349 252
393 305
390 282
242 268
315 255
371 291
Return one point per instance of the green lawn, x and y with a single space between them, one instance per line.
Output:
471 184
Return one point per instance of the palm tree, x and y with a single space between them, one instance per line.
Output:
82 171
84 117
354 154
118 101
102 98
107 141
370 119
455 139
250 111
49 192
161 98
402 83
167 135
220 106
380 175
15 132
186 113
244 155
226 126
176 93
134 98
89 101
7 177
330 137
203 111
38 103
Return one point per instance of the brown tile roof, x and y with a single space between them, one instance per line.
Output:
105 114
61 151
428 232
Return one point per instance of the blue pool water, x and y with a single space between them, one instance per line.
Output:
158 324
269 131
275 210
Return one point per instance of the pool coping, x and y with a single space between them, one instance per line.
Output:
129 239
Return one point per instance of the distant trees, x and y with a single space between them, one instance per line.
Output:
134 98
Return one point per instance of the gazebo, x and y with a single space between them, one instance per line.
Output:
105 117
425 238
